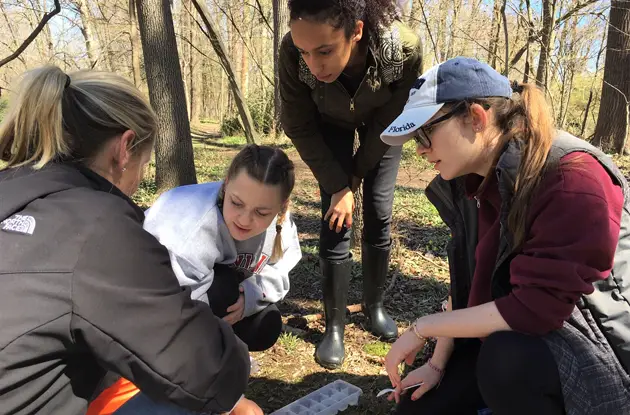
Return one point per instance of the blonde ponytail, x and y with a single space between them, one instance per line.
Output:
278 252
59 117
32 129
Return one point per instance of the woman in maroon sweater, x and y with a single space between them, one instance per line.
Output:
539 317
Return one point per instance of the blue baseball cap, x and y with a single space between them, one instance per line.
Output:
455 80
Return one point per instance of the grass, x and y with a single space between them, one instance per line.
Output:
378 349
289 342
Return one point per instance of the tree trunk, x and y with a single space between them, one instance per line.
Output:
568 74
612 122
244 56
136 47
548 7
174 162
87 30
104 40
415 15
495 27
590 94
443 8
219 48
195 71
530 35
506 68
280 28
184 48
357 214
457 5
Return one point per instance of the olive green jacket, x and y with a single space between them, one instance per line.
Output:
396 57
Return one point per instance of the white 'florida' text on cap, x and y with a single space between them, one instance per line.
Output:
455 80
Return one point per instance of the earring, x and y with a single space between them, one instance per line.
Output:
124 169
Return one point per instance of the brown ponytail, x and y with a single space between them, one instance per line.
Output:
536 130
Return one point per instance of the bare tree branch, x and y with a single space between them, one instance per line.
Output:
506 70
260 11
235 26
33 35
426 23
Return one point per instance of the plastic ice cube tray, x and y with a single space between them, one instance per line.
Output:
327 400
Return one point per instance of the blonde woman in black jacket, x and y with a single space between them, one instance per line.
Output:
85 289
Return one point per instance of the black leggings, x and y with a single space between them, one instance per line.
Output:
378 195
259 331
510 373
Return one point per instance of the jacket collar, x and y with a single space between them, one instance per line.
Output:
98 182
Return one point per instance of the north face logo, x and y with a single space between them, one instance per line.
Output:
19 224
404 127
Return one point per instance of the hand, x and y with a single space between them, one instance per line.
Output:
425 374
236 310
405 350
340 210
246 407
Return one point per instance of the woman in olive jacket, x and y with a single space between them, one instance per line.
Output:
347 66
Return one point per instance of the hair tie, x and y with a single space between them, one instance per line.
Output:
278 228
67 81
516 87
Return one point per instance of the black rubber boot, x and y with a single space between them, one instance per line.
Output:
336 279
375 264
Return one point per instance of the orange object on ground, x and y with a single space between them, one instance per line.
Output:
113 398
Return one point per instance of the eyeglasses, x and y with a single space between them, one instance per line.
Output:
422 134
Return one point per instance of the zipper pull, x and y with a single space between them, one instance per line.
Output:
478 203
351 104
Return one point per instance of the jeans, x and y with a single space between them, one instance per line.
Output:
378 196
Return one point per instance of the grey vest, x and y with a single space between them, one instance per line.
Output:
610 302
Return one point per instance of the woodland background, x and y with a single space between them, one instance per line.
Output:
210 70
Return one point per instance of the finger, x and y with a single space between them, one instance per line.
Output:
229 318
241 289
349 221
334 219
232 307
392 372
420 390
394 377
340 222
397 393
411 357
328 213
